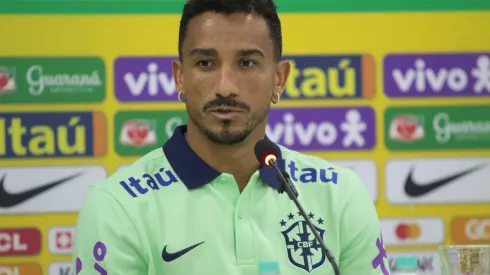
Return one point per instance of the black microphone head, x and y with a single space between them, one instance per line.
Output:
264 148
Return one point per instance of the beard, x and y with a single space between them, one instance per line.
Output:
225 135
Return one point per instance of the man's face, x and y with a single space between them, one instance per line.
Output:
229 74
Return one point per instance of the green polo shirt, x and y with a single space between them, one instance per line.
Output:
171 213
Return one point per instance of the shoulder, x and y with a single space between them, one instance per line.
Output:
151 170
308 168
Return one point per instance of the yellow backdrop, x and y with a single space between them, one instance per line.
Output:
375 33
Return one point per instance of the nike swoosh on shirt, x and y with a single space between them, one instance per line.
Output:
9 200
168 257
415 189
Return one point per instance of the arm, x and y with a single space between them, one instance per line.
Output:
362 249
106 240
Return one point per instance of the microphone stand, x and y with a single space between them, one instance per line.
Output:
285 184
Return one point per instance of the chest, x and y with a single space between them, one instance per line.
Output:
219 235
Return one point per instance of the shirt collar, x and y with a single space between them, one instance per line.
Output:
193 171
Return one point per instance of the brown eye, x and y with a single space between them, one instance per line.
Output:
204 63
247 63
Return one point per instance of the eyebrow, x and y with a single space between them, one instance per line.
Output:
214 52
207 52
249 52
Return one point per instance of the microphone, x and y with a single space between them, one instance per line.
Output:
266 153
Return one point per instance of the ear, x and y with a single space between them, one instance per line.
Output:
177 67
282 74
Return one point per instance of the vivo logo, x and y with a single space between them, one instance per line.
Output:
437 75
144 79
322 128
153 80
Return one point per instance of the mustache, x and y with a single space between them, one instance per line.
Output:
225 102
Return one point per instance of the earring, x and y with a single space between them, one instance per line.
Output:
276 99
181 97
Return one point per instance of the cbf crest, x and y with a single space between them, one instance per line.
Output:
303 250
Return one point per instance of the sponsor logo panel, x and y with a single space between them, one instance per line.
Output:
139 132
52 134
60 240
366 169
52 79
53 189
20 269
412 231
334 128
437 128
330 76
20 241
438 180
428 261
144 79
437 75
471 230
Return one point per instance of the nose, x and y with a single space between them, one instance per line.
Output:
227 82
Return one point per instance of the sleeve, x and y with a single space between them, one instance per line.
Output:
106 241
362 248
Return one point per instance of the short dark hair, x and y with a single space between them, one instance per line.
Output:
265 8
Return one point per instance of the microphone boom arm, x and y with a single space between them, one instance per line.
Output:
284 179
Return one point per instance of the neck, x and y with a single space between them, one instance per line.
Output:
238 159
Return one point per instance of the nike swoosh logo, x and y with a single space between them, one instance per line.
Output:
168 257
415 189
9 200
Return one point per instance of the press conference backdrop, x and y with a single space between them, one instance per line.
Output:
398 91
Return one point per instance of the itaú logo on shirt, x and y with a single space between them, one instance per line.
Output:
146 182
308 174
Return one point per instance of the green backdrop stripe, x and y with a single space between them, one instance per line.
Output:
175 6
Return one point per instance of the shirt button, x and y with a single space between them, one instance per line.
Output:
222 180
241 215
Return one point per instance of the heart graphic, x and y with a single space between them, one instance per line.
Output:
4 79
142 131
138 134
406 129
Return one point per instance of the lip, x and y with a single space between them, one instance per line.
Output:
226 112
225 108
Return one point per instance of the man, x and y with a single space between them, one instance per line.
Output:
202 204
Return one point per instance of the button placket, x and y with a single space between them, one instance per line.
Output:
245 252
